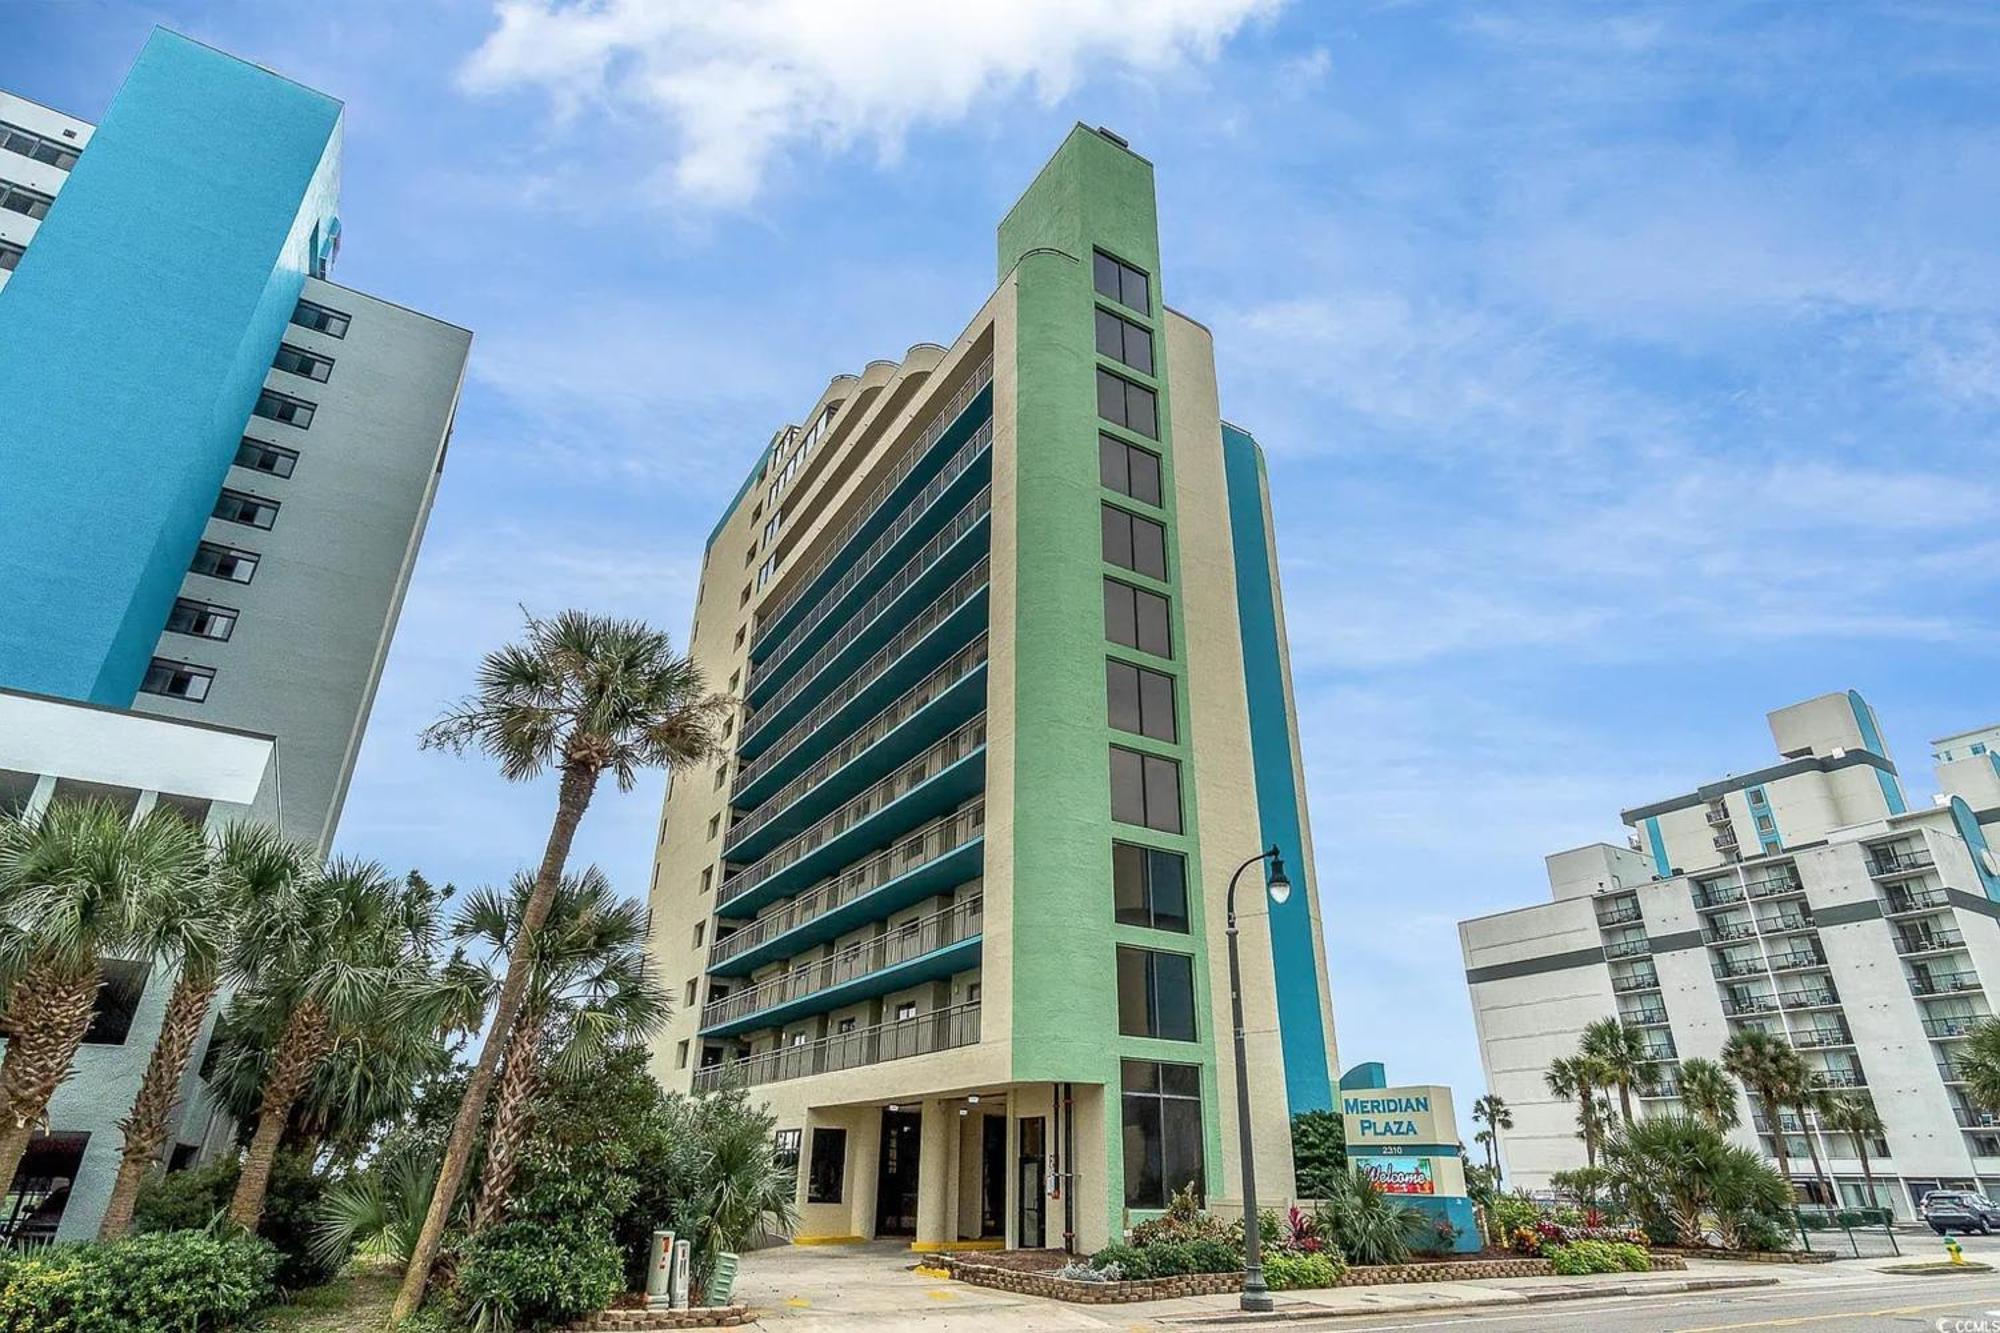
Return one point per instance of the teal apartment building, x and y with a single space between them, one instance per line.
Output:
1004 620
218 464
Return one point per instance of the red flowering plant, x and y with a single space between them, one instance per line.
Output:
1302 1233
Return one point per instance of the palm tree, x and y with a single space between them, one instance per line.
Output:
1620 1052
319 954
1857 1118
1708 1095
590 989
1492 1111
1577 1078
584 695
1978 1062
73 884
1770 1071
189 924
1809 1098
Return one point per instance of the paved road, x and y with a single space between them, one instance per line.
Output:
1965 1304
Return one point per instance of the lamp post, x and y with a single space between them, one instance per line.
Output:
1256 1296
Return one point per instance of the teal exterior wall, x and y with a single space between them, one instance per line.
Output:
137 332
1302 1034
1871 736
1976 843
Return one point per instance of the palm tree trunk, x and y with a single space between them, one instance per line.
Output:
1587 1098
1772 1118
1819 1168
1496 1157
1625 1101
145 1127
48 1028
509 1131
579 782
300 1049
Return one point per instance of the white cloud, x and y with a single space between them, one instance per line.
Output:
738 83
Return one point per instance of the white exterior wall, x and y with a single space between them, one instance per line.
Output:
18 228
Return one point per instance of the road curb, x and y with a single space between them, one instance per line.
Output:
1675 1287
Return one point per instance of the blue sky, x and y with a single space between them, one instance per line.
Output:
1625 371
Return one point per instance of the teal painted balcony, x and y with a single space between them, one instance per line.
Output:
971 406
941 702
942 855
949 773
951 621
963 476
929 948
962 543
896 1039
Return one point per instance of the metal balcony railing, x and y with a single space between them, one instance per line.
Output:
1773 885
1903 902
963 589
871 556
1735 930
1951 1072
921 848
948 751
1619 916
902 944
864 616
1952 1025
1646 1018
1840 1078
1929 941
1638 982
1627 948
1707 897
897 1039
1718 815
1808 999
1658 1051
1785 922
899 711
1816 1037
1798 958
1739 967
1754 1004
1894 861
1660 1088
1971 1119
1944 983
982 375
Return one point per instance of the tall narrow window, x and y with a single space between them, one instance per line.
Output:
1155 994
224 562
320 319
1128 469
1149 887
1121 282
1122 340
1140 701
1123 403
251 510
1137 618
178 680
1145 790
827 1168
1135 543
270 459
1163 1131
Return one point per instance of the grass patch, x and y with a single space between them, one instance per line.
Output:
348 1304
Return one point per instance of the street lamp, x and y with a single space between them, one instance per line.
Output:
1256 1296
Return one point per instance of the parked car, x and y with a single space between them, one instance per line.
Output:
1957 1210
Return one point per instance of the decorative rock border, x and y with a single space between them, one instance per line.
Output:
1754 1256
1213 1284
646 1321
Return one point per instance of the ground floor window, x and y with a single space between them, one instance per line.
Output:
829 1166
1163 1131
40 1191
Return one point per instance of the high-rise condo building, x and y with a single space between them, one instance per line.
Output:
1806 899
1004 621
217 464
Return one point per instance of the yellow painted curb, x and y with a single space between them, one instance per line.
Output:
826 1240
946 1246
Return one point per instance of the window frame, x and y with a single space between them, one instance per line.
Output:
1115 588
8 129
826 1172
1122 270
1109 445
1124 331
1146 708
10 255
1148 914
237 553
195 671
250 444
1148 766
1152 1021
1112 517
230 613
313 360
303 410
1126 389
230 493
1156 1098
346 320
38 202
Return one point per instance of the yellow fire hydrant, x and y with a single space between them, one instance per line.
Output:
1952 1248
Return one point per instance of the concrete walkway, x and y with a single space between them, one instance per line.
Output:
806 1289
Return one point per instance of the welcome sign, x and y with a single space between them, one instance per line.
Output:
1399 1175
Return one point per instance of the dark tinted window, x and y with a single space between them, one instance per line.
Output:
1145 790
1137 618
1121 282
829 1166
1128 469
1161 1106
1126 404
1135 543
225 562
269 459
1139 700
1149 886
117 1000
1122 340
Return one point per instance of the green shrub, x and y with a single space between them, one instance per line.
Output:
1319 1153
1213 1255
539 1274
1169 1258
1185 1219
191 1200
1295 1272
1368 1226
1597 1256
1511 1212
1632 1258
1133 1265
167 1282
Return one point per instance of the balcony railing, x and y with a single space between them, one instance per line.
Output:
1884 861
1739 967
1840 1078
1798 958
1658 1051
961 664
1646 1018
1660 1088
1725 839
864 617
1638 982
1944 983
1953 1025
967 586
1718 815
1903 902
1627 948
1810 998
1930 941
982 375
1710 896
1785 922
919 849
1735 930
1753 1004
866 562
898 784
1971 1119
1773 885
1619 916
897 1039
905 943
1818 1037
1951 1072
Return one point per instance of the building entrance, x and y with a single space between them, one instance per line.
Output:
896 1183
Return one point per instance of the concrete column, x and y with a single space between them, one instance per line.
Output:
937 1173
